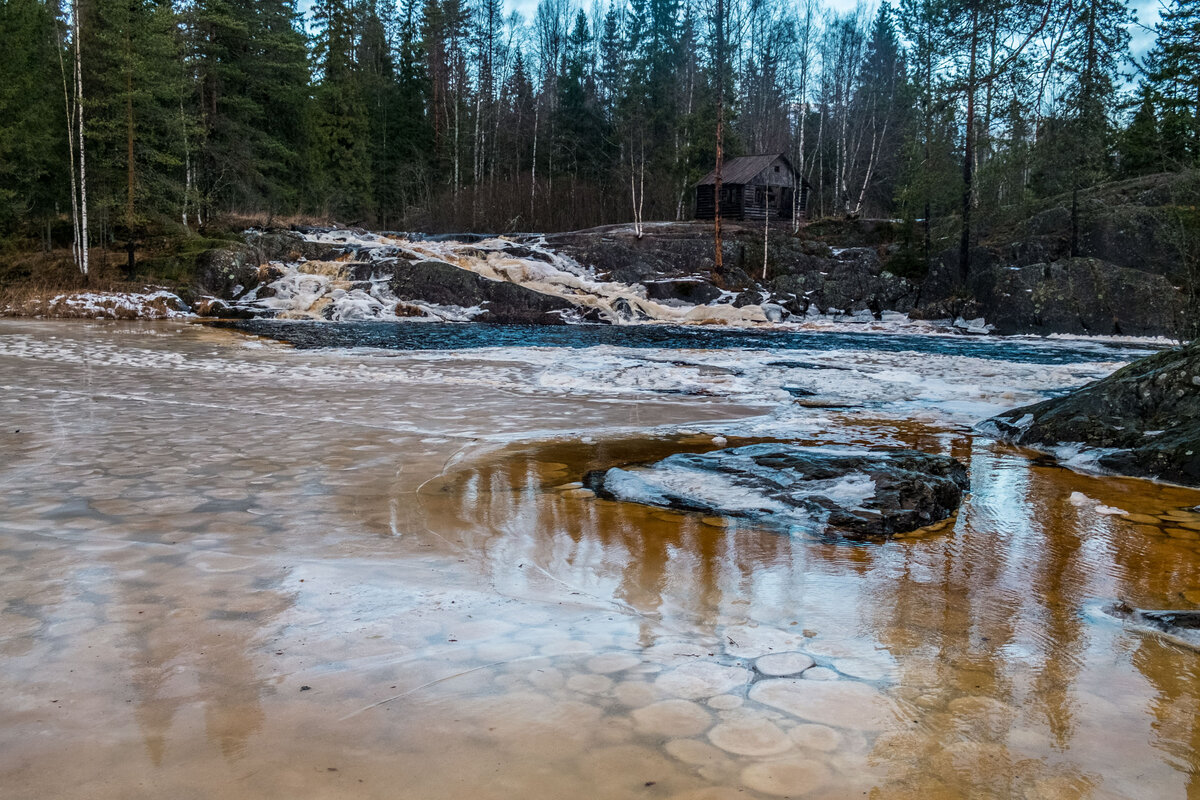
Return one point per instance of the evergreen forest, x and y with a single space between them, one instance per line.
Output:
124 120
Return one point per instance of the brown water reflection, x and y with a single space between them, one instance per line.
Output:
987 632
232 572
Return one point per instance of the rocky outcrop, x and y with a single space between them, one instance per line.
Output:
1085 296
853 493
684 291
502 303
1117 265
674 262
224 272
1143 420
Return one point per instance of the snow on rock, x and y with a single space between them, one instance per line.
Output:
856 493
117 305
342 293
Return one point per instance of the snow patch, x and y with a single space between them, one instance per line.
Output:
118 305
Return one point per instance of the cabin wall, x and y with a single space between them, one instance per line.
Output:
731 205
756 208
741 202
706 208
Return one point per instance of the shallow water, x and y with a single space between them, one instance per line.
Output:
232 569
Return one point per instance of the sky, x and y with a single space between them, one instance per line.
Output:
1142 35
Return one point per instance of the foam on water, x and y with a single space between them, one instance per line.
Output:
534 266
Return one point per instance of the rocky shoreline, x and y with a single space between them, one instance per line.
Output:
1142 421
409 276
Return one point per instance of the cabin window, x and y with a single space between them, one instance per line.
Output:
777 169
759 196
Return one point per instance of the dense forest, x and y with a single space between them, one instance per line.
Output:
126 119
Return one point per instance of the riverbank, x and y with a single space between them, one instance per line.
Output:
850 271
240 569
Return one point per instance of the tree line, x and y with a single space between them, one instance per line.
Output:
122 119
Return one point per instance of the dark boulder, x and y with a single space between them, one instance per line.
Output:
1181 626
688 291
1143 420
503 303
222 270
1077 295
854 493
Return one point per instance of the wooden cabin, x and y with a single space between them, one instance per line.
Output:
751 188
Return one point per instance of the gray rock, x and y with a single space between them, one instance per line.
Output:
690 291
1143 420
854 493
1181 626
1077 295
503 303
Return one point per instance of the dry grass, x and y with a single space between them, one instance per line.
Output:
241 220
30 281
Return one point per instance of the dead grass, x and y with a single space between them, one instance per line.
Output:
29 281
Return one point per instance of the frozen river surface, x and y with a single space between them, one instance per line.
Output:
236 569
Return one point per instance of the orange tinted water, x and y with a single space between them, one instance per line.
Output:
242 573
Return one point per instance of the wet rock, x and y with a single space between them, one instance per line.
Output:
216 308
843 704
857 493
220 270
750 297
1181 626
503 303
1143 420
684 291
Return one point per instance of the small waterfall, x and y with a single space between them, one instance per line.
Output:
357 284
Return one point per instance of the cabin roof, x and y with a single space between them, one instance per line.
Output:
744 169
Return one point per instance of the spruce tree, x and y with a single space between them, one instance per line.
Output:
135 127
33 150
341 125
1175 74
1140 144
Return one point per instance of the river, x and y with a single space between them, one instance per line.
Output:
358 566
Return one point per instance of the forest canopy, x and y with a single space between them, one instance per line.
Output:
463 115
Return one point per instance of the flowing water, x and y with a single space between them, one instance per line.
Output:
232 568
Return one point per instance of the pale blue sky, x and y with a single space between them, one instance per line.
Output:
1147 13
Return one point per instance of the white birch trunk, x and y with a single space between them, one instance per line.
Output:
75 255
83 214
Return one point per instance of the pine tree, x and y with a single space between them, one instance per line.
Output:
341 124
1175 74
135 89
879 101
1141 143
32 126
1097 47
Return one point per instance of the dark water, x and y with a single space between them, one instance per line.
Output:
432 336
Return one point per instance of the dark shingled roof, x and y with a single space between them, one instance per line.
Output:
743 169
